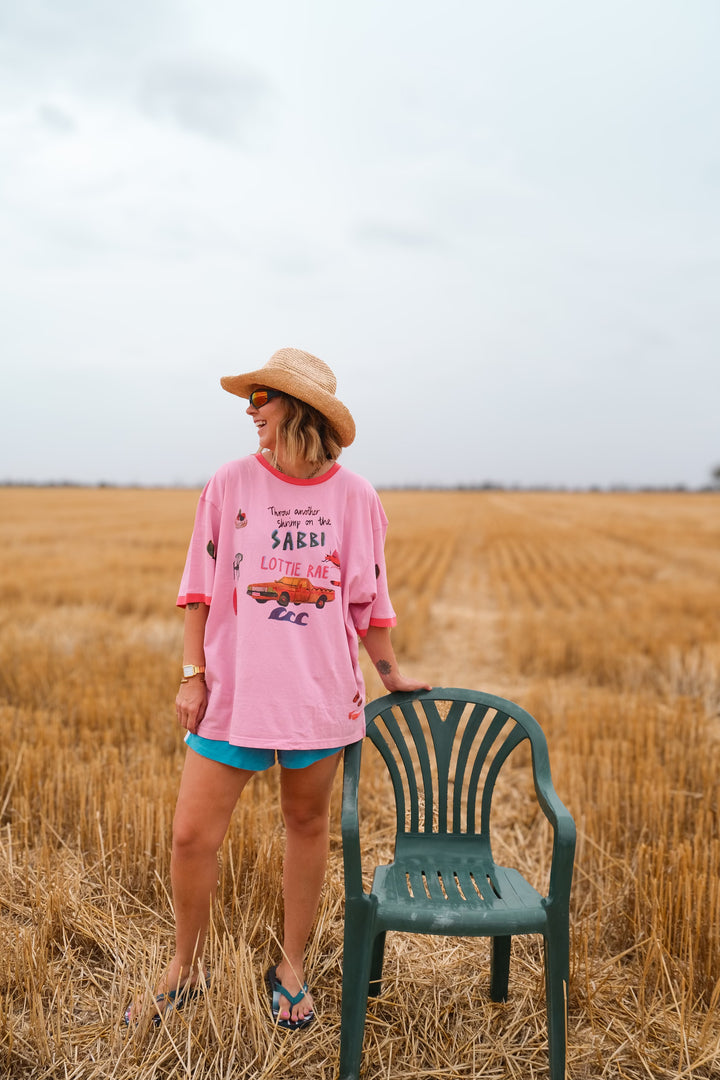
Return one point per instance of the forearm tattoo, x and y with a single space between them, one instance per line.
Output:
384 667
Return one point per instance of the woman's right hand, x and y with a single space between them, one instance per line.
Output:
191 703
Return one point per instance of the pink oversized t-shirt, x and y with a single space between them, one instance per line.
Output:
293 570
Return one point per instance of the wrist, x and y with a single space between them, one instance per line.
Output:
193 673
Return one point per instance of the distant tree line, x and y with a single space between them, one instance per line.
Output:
485 485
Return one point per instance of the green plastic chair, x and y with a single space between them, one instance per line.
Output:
444 749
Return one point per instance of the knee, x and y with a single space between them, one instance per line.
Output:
305 820
190 839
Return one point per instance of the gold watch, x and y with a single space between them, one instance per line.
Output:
192 669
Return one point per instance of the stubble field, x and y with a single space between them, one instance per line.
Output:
596 612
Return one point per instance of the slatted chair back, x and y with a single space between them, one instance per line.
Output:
444 753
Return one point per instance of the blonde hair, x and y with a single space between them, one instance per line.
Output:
306 434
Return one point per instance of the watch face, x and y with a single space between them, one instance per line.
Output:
188 670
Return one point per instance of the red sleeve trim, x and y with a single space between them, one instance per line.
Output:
193 598
378 622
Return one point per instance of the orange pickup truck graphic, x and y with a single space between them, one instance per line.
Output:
286 590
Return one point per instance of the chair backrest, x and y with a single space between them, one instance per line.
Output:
444 749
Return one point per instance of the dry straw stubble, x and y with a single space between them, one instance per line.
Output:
597 612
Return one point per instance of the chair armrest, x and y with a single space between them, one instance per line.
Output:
563 856
563 827
350 824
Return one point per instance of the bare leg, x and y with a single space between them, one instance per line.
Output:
208 793
305 797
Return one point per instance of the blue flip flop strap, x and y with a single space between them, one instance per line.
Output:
168 1001
278 988
175 999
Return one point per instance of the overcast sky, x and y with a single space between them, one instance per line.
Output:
497 222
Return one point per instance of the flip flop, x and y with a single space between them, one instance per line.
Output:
174 999
275 991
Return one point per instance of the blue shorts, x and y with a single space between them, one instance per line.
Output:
255 758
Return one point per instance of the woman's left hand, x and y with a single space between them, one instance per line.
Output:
379 649
191 703
397 682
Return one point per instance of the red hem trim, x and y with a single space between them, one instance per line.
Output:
193 598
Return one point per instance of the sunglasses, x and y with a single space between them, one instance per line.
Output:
258 398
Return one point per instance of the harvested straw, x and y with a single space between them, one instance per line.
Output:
597 613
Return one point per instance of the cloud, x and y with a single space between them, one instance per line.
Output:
81 46
207 95
56 119
396 235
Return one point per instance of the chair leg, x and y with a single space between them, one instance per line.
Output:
376 965
356 974
499 968
557 965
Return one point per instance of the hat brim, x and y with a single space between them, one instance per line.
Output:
278 378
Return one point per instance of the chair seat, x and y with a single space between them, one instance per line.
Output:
462 896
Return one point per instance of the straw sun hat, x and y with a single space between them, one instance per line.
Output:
305 377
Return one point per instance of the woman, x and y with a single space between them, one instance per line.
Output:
285 569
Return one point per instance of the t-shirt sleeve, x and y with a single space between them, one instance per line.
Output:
199 573
370 599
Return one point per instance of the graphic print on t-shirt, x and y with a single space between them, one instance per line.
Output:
334 559
236 572
295 572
